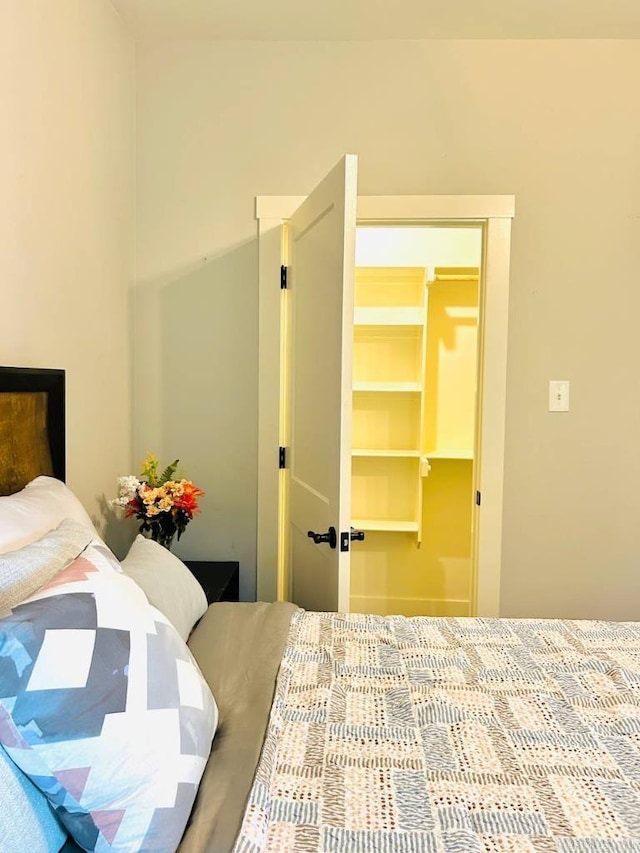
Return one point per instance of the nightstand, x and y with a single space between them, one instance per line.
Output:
220 581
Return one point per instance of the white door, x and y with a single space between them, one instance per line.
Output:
321 259
495 214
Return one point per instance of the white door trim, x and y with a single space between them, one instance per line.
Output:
496 212
404 207
269 372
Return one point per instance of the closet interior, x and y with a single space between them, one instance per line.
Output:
415 376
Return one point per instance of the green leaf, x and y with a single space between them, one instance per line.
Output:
168 473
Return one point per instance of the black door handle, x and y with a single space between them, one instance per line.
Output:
331 537
357 535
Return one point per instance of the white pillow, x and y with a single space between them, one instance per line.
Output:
37 509
167 583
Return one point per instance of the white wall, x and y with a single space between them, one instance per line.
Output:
553 122
380 246
67 223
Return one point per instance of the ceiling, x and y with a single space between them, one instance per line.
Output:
361 20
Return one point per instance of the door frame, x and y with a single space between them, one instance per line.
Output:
494 213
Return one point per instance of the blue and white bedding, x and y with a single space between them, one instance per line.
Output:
456 735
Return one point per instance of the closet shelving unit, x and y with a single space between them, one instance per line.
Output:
414 380
388 388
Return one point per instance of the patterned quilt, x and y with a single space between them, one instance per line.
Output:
456 735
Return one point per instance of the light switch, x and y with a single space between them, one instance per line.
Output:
559 395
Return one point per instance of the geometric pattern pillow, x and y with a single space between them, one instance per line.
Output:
104 708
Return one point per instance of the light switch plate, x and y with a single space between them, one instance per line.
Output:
559 395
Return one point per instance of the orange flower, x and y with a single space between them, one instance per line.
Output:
188 500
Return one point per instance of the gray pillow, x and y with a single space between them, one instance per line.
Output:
27 821
24 571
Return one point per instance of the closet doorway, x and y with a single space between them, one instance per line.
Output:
415 380
419 443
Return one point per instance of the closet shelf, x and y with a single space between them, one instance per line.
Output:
400 454
393 387
449 453
386 524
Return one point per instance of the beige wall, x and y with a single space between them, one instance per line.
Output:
553 122
66 222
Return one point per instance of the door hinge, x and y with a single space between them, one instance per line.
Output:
478 498
282 457
283 277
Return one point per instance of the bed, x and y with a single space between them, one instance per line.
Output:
352 733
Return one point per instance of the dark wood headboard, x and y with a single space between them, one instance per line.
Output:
32 425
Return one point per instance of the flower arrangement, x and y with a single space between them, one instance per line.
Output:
164 506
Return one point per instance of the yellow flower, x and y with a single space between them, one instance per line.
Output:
150 469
